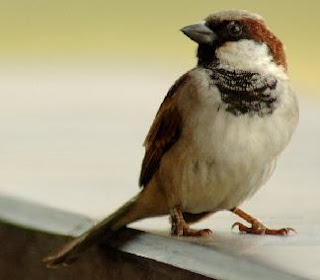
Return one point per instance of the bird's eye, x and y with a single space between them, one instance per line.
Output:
234 29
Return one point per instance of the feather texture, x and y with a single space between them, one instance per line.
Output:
164 132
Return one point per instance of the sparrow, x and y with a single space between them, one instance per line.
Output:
217 135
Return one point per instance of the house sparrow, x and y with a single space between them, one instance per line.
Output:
217 135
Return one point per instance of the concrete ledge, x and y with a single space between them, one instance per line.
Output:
23 249
130 254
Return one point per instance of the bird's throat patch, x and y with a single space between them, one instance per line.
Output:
245 92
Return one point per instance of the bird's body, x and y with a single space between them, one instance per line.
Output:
218 133
221 158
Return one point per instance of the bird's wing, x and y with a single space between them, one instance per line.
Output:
164 132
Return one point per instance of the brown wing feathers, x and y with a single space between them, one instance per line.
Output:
164 132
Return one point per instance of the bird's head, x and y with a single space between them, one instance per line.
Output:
237 38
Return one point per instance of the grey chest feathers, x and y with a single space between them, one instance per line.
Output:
245 92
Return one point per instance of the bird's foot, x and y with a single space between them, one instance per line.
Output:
181 228
256 226
185 230
259 229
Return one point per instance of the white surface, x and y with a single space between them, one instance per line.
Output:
72 138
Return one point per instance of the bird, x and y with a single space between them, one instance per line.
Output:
217 135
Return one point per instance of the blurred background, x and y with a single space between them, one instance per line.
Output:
80 83
144 32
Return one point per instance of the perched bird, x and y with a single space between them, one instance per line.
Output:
217 135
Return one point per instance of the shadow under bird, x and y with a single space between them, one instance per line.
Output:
217 135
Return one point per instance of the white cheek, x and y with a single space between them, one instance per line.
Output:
249 55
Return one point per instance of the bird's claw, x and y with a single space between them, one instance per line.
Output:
259 229
185 230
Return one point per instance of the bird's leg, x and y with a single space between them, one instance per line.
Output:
256 226
180 228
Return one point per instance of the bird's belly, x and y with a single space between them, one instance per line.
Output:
209 186
227 161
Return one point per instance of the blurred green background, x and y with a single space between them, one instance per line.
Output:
118 32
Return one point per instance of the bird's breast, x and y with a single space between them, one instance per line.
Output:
222 158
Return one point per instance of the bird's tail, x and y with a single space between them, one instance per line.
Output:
137 208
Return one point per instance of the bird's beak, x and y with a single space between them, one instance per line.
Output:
199 33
